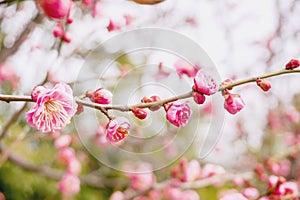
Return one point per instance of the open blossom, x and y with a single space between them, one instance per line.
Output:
178 114
117 129
183 67
69 184
233 103
204 84
56 9
53 109
101 96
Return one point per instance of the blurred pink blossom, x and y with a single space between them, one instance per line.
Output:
233 196
63 141
251 193
69 184
53 109
117 196
183 67
141 181
74 166
8 74
113 26
178 114
65 155
56 9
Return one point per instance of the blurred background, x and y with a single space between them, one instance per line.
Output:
242 38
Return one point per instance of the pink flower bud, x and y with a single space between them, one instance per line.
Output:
141 182
101 96
113 26
63 141
69 184
178 114
117 196
263 84
37 91
183 67
233 103
117 129
58 30
198 97
56 9
205 84
189 195
67 37
210 170
288 188
233 196
273 181
139 113
65 155
292 64
227 82
251 193
96 9
70 20
87 3
150 100
74 167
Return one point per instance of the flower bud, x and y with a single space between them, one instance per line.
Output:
292 64
101 96
56 9
67 37
199 98
150 100
58 31
113 26
233 103
263 84
204 84
139 113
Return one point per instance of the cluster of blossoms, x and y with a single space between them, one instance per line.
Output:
185 172
70 183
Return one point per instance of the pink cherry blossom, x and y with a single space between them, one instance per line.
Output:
58 30
63 141
65 155
251 193
101 96
117 129
183 67
233 196
141 181
211 170
288 188
74 166
7 73
117 196
204 83
192 171
178 114
53 110
56 9
69 184
189 195
233 103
